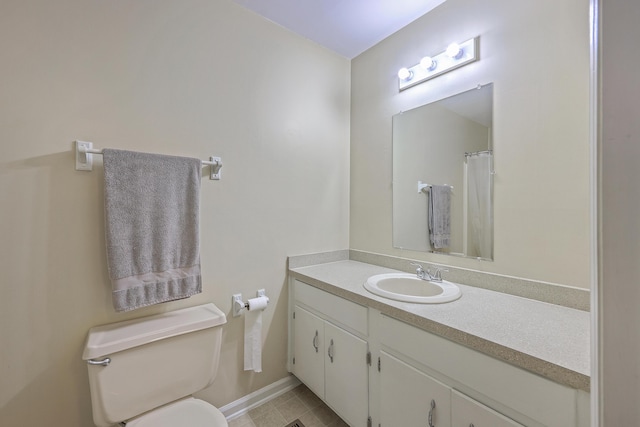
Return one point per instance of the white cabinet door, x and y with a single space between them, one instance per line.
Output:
308 350
466 412
406 395
548 403
346 375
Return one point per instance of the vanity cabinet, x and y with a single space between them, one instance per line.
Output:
501 394
372 369
327 353
411 397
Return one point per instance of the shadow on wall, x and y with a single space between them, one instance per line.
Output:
274 340
42 395
56 289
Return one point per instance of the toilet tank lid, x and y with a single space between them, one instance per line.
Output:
108 339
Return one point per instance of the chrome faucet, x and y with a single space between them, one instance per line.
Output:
423 274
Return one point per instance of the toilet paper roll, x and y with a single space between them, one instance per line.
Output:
253 341
253 334
259 303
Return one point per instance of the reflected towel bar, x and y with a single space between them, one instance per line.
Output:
423 186
85 151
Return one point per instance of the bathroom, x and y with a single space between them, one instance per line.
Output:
305 138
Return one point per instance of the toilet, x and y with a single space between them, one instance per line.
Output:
142 372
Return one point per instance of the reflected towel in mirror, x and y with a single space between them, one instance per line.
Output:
439 216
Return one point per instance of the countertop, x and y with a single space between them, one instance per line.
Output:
550 340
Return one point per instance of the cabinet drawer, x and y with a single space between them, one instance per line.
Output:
548 403
343 312
466 412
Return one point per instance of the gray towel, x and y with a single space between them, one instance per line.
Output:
440 216
152 219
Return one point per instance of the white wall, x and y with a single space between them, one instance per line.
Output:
194 78
537 55
619 214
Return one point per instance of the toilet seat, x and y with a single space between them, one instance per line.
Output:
189 412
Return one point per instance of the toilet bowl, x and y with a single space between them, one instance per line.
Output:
143 372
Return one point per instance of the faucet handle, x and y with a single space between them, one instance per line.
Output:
420 269
420 272
437 274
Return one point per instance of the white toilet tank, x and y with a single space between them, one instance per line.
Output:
152 361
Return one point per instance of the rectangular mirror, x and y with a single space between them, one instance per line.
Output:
443 176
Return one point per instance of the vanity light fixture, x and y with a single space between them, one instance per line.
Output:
455 56
454 51
405 75
428 63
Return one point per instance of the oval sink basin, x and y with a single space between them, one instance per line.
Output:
409 288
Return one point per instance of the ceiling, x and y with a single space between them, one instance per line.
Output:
348 27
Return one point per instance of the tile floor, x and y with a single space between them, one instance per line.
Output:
299 403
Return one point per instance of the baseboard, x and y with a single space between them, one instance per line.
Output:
258 397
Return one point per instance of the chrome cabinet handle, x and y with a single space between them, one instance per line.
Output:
330 351
103 362
433 407
315 342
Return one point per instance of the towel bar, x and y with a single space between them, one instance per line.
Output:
85 151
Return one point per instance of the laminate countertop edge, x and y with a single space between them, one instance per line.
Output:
546 339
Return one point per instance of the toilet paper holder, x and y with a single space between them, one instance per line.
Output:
239 305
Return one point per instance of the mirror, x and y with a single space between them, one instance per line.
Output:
443 176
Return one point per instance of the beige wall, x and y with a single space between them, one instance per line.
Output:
619 318
193 78
537 55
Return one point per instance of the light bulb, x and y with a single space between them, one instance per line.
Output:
405 74
454 51
428 63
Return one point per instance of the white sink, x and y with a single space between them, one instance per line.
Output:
409 288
